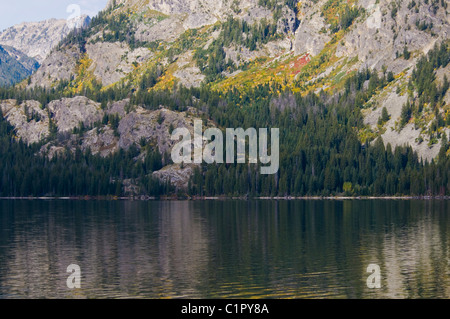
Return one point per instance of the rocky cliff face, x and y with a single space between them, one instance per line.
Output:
310 37
79 123
197 10
381 38
37 39
30 121
58 66
112 61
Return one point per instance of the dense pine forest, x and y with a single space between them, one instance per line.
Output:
25 173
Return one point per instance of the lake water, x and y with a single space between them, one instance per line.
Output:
225 249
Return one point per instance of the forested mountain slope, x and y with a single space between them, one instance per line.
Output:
359 90
15 66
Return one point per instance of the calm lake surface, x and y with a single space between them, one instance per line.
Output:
225 249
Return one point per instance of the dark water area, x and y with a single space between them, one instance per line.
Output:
225 249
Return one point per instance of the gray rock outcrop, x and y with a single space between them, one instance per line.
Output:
175 174
113 61
37 39
30 121
58 66
68 113
309 37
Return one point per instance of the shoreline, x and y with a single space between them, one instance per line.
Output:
208 198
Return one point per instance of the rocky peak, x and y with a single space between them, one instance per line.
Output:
37 39
169 7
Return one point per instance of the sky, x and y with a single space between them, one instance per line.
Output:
17 11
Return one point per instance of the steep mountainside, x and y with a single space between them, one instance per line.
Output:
15 66
37 39
373 72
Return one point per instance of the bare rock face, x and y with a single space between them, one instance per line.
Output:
408 136
190 77
37 39
381 38
181 15
175 174
152 126
69 112
200 10
100 141
309 37
198 20
255 14
191 14
168 29
113 61
118 107
30 121
110 63
60 65
135 126
188 73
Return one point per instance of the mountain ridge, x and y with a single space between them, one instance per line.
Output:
37 39
15 65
